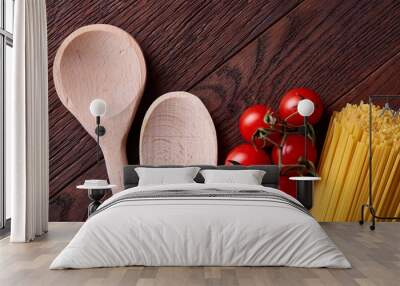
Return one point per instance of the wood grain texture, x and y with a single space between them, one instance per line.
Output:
71 204
383 81
231 54
178 130
308 47
374 257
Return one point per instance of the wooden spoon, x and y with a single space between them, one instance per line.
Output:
178 130
102 61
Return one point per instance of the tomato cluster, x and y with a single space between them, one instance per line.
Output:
262 127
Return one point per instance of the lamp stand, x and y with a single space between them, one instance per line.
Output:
305 138
370 205
100 131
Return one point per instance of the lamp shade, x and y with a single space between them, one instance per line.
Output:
305 107
98 107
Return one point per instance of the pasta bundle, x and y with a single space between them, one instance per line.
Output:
344 165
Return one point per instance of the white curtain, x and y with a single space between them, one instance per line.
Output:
27 124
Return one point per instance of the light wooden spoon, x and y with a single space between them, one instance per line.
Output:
102 61
178 130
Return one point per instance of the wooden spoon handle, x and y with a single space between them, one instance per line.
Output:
115 158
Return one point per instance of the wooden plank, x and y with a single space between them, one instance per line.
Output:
327 46
71 204
384 80
330 46
183 41
195 36
61 176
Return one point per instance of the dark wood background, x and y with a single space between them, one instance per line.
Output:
231 54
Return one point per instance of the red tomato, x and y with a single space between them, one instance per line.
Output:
253 118
293 150
247 154
288 106
287 186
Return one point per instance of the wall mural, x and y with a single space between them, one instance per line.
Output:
341 50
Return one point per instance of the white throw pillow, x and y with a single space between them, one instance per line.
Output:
248 177
163 176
